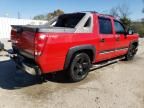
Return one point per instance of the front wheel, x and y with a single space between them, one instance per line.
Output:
79 67
131 52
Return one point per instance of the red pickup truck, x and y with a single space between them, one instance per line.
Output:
71 42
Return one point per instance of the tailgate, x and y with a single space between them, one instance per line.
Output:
23 40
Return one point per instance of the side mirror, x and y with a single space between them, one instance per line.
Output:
130 32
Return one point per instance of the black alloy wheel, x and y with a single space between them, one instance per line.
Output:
79 68
131 52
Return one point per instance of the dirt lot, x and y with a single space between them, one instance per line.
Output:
120 85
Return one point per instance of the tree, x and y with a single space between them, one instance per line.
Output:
126 21
49 16
143 12
122 11
54 14
39 17
114 12
143 8
139 28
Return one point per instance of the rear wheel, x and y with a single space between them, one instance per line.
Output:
79 67
131 52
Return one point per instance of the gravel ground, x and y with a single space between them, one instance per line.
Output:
120 85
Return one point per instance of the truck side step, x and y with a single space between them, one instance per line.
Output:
102 64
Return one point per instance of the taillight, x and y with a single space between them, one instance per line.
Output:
40 41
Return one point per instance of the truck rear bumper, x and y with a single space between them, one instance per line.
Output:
25 65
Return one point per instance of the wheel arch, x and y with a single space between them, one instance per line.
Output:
136 43
88 49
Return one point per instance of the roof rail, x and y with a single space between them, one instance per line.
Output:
90 11
107 15
99 13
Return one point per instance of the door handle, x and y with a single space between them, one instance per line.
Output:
102 40
118 39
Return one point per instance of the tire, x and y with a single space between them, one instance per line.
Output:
79 67
131 52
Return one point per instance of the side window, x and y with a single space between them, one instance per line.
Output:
119 28
105 25
88 23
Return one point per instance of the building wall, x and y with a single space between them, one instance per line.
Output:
5 25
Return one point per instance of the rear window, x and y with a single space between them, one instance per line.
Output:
88 23
69 20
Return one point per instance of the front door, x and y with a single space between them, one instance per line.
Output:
107 39
122 42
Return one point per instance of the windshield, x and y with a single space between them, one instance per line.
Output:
69 20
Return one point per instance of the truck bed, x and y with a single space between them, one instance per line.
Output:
23 37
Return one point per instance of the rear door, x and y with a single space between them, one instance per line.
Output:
122 42
107 39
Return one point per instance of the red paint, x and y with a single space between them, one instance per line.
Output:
56 46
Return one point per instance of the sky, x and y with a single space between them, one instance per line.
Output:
30 8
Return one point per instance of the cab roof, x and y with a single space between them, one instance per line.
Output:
94 12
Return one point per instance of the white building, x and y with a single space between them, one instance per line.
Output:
5 25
